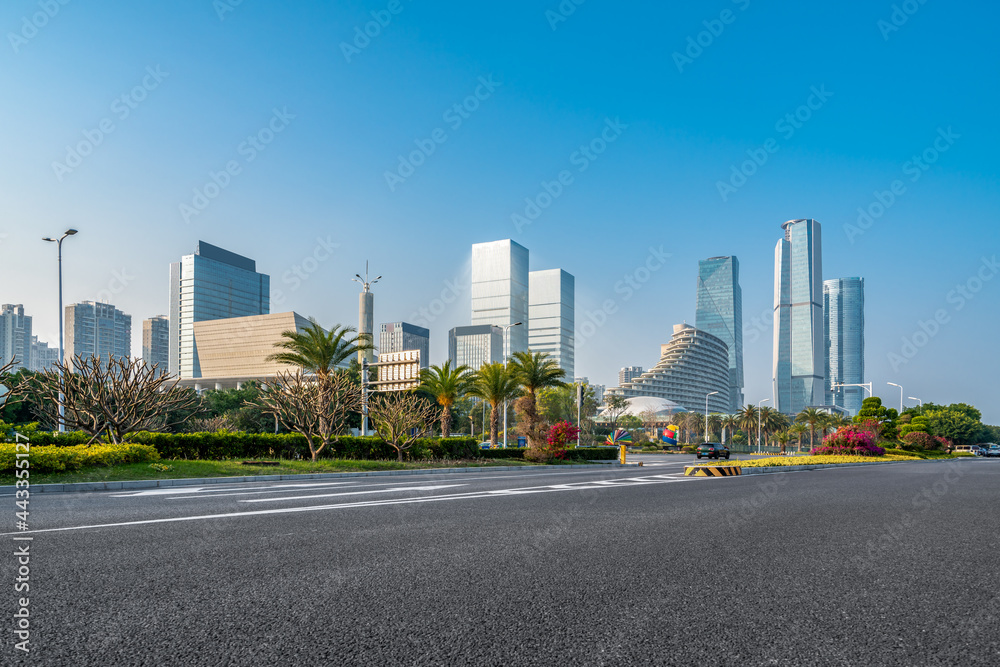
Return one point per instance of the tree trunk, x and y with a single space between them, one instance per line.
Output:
446 421
399 452
494 424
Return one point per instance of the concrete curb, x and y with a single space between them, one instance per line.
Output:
79 487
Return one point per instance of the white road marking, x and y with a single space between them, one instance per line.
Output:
353 493
580 486
212 490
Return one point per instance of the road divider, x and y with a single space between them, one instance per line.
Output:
712 471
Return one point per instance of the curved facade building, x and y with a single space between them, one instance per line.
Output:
693 364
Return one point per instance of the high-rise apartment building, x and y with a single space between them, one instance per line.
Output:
551 316
719 312
211 284
500 289
799 357
42 356
476 345
97 330
156 343
844 325
692 365
403 337
15 336
628 374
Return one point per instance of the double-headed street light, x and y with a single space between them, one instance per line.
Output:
893 384
506 332
763 400
58 242
706 412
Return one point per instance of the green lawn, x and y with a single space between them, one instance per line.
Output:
188 469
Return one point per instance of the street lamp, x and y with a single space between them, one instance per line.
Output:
914 398
58 242
900 395
763 400
506 332
706 412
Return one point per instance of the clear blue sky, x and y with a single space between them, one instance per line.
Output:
887 95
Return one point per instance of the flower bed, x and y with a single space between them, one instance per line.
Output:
785 461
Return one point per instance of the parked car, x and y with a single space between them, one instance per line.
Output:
713 450
485 445
994 450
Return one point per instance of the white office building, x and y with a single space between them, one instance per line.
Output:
551 316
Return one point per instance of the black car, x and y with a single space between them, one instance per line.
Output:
713 450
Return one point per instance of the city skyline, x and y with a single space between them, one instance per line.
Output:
623 167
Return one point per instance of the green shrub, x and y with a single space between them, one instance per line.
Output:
48 458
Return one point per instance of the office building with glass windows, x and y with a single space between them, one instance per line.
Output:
799 357
500 289
551 316
719 311
844 328
211 284
15 336
476 345
97 330
156 343
405 337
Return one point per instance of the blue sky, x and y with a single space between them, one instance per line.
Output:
200 77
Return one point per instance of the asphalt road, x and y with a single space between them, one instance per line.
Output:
891 565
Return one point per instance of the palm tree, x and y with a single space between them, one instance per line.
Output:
534 371
797 431
729 423
714 422
496 385
782 438
317 351
446 385
692 423
812 418
747 420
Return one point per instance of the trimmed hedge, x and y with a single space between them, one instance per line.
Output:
73 457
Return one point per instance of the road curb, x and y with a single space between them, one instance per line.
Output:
774 469
84 487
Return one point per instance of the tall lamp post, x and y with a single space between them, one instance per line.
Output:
893 384
914 398
506 333
59 242
763 400
706 412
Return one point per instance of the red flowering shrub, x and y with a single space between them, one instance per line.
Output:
853 440
562 434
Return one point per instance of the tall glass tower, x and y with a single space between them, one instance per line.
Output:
551 308
720 312
500 289
844 324
211 284
799 371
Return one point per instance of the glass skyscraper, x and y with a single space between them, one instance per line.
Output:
551 311
719 311
476 345
799 371
156 342
211 284
844 323
402 337
500 289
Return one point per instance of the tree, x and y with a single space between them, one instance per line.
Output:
782 438
714 424
729 424
496 385
7 382
113 396
534 371
321 352
955 425
315 406
812 418
615 405
446 385
233 409
797 431
400 417
873 410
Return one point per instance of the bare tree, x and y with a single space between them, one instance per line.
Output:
5 382
400 417
113 396
615 405
316 406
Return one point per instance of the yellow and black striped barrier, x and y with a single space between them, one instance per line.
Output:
711 471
